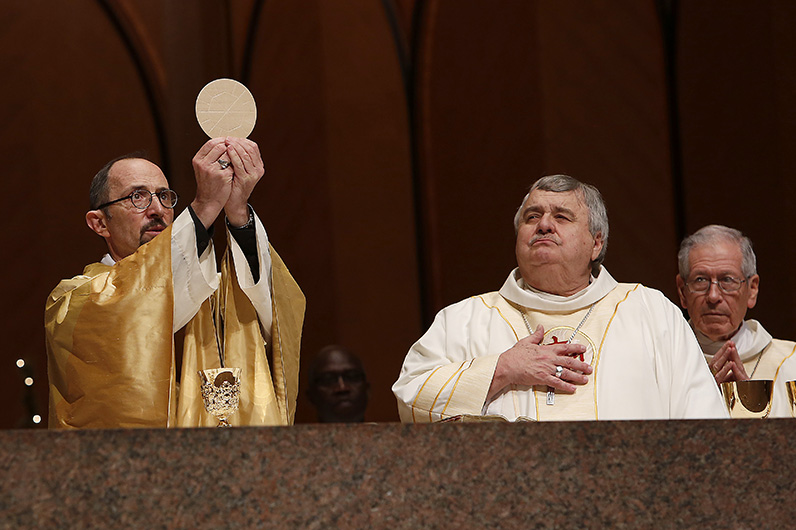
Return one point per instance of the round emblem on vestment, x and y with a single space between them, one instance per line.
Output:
561 335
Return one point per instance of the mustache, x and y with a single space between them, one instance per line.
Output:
551 237
154 223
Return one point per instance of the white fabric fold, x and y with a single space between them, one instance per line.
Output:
196 278
516 290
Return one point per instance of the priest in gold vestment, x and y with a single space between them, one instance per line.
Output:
110 331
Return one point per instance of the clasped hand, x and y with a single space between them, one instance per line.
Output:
530 363
229 188
726 364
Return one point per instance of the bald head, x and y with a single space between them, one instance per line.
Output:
123 226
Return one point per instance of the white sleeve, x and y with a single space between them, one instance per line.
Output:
694 393
195 278
447 372
259 293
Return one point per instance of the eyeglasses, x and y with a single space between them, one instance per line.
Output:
141 199
727 284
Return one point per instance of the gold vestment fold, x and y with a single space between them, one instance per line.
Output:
110 346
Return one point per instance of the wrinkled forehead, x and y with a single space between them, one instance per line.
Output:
543 199
720 256
134 173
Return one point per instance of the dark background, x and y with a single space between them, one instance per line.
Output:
400 137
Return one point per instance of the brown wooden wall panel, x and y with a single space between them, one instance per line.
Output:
510 91
286 80
737 80
72 99
479 139
605 122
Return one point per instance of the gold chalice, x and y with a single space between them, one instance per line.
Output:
748 399
221 392
791 387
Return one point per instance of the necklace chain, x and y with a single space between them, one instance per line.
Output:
758 362
530 331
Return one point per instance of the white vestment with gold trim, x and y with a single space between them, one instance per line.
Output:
647 363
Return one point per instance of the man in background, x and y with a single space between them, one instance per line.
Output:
338 387
718 283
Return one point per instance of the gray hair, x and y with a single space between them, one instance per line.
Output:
98 191
711 234
598 215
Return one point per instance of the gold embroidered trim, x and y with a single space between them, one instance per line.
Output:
461 373
414 403
599 352
776 374
500 313
433 403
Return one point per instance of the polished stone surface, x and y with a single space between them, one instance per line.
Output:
735 474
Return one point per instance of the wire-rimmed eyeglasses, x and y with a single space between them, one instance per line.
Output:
727 284
141 199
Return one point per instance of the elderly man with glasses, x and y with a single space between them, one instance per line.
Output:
717 284
112 360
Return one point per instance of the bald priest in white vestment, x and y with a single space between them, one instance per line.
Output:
561 340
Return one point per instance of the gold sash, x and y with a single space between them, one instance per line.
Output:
266 398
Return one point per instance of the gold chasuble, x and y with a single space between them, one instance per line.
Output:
110 346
